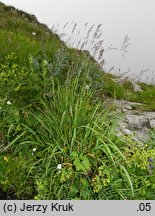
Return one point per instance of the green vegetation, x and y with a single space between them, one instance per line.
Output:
125 91
57 140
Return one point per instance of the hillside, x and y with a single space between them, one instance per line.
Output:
22 34
58 135
16 33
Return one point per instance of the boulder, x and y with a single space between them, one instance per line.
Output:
136 124
152 123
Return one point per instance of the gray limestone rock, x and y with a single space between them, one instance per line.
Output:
137 122
152 123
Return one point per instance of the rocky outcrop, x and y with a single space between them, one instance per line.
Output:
137 126
133 123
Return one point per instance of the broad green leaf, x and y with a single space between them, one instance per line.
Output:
86 163
79 166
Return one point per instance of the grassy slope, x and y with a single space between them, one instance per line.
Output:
55 130
16 30
16 35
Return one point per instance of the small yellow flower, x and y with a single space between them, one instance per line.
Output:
5 158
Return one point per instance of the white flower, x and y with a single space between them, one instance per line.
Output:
34 33
59 166
34 149
8 102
